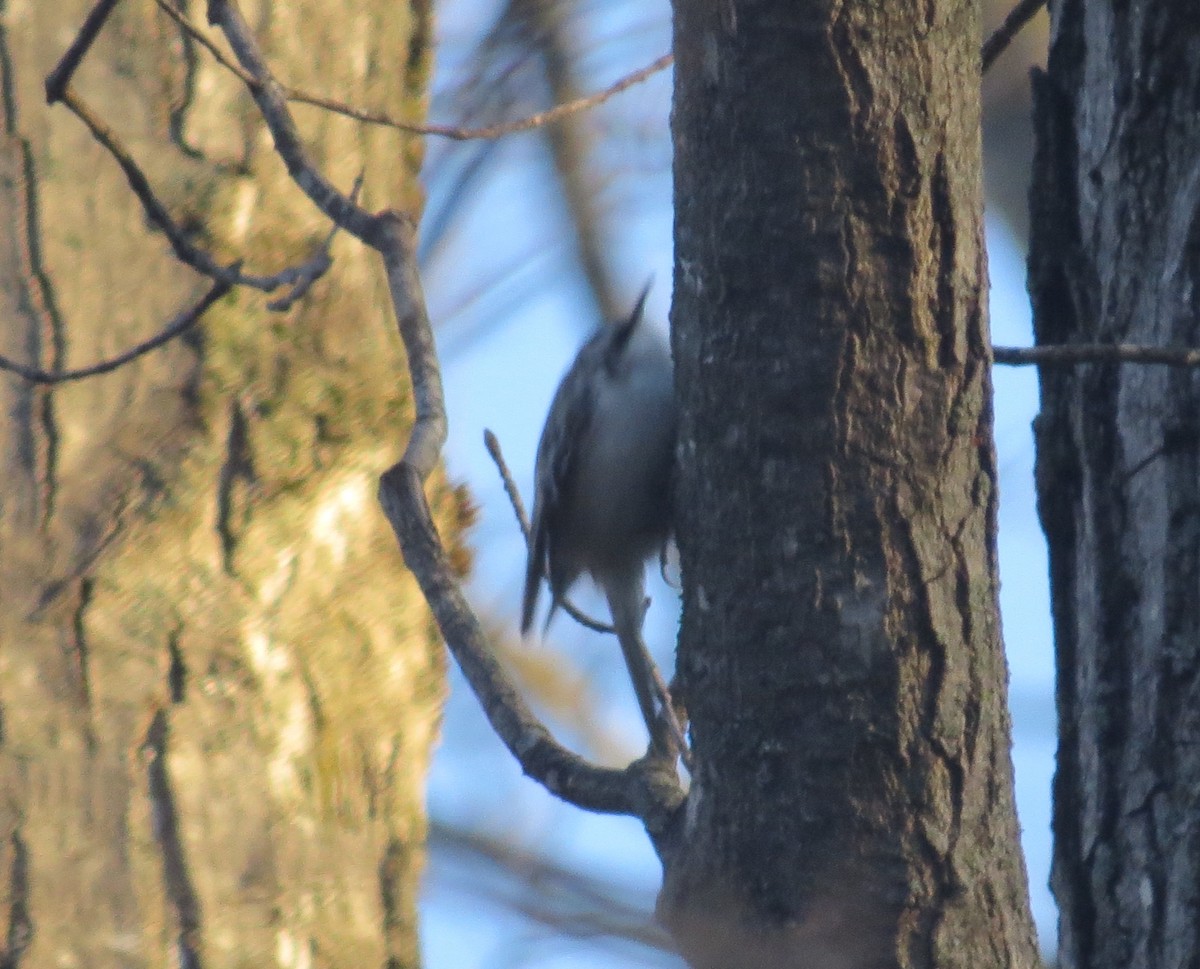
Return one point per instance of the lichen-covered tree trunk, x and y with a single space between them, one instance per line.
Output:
840 655
1115 258
219 691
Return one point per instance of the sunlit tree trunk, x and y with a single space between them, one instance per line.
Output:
840 655
219 691
1115 258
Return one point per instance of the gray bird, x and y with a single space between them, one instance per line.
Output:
602 500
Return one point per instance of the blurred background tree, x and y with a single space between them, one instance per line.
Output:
220 691
1115 259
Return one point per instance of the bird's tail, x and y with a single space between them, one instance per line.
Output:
533 577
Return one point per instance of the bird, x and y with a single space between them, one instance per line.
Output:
602 490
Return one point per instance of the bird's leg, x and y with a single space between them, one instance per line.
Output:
628 608
669 714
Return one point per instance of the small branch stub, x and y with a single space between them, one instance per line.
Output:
1068 354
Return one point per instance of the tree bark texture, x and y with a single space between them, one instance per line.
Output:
840 655
219 692
1115 258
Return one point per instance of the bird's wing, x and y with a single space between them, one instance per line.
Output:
565 434
557 462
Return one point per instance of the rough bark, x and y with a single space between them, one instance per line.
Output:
219 691
840 655
1116 259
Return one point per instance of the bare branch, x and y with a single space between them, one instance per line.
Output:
453 132
183 322
560 111
499 130
201 38
155 211
317 266
272 103
58 79
1073 353
514 496
300 278
492 443
1017 18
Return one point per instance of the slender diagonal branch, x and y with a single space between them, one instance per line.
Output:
453 132
272 104
201 38
492 443
1068 354
1003 35
180 324
500 129
317 266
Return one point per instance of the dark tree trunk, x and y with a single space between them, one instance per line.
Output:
1115 257
840 654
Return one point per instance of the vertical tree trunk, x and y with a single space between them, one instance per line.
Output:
1115 258
219 695
840 654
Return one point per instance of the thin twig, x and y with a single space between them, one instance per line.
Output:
514 496
1072 353
492 443
1003 35
156 212
201 38
453 132
317 265
499 130
58 79
271 99
180 324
